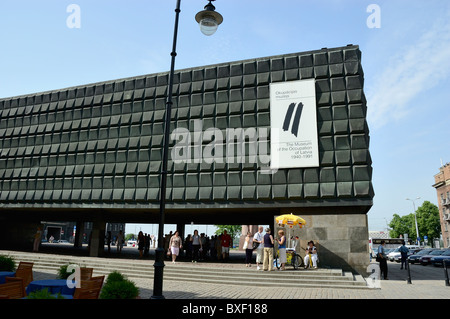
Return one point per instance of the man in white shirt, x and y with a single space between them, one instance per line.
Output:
259 238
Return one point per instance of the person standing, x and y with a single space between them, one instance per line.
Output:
268 251
188 246
119 241
404 253
204 246
146 244
108 241
141 243
196 245
175 246
219 247
282 248
382 259
248 247
258 239
37 239
226 242
167 240
212 247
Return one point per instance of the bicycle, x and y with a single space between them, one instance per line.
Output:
292 258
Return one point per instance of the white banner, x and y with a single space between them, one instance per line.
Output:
293 122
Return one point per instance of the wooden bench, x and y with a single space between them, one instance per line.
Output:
90 289
12 289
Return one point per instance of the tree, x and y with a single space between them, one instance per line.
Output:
427 220
232 230
402 225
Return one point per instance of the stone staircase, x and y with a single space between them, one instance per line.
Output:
230 274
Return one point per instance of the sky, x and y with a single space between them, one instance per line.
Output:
405 56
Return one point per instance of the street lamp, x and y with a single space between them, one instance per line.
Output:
415 219
209 21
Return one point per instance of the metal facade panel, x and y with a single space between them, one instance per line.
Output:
102 143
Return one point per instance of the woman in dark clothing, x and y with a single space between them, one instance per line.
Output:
141 243
268 251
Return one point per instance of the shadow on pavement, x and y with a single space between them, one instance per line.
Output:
417 272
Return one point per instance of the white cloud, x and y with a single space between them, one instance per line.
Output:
417 68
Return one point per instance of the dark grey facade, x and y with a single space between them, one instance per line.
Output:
96 150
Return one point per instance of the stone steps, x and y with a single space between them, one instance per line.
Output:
231 274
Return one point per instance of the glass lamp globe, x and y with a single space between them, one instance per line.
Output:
208 26
208 19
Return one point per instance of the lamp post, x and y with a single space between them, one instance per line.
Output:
209 21
415 219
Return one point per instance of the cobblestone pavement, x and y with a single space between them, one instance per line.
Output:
394 288
390 289
427 283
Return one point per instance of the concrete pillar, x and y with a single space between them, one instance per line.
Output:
97 244
243 235
79 234
253 229
245 229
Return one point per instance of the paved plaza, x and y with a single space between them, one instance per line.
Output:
395 288
427 283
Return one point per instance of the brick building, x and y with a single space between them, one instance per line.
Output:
442 185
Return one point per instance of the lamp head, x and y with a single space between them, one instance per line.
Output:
208 19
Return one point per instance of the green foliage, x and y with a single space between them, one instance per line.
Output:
402 225
427 220
130 237
118 287
115 276
232 230
43 294
7 263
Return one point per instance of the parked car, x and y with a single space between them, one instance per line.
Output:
132 243
426 259
416 257
413 247
388 251
391 256
439 260
398 258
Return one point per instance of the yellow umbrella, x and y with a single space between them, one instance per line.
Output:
290 220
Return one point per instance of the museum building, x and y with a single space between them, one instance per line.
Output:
250 140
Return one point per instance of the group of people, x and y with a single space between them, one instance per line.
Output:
198 247
143 241
382 258
264 244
